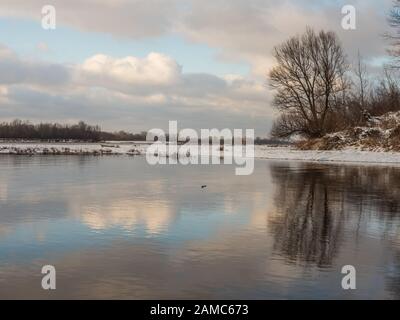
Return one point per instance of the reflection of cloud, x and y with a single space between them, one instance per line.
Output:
127 214
4 230
261 207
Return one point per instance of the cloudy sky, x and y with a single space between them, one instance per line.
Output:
135 64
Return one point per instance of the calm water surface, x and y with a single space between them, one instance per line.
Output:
115 227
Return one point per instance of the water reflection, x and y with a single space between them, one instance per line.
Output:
117 228
315 201
323 210
127 214
310 224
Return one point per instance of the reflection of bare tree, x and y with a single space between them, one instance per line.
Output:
315 202
307 227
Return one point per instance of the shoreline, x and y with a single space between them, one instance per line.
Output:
349 155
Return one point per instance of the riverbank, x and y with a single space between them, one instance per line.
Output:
261 152
32 148
344 155
379 134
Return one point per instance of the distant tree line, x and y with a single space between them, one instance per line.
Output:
123 136
18 129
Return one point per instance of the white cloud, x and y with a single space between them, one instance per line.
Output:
154 70
158 75
249 30
129 18
104 88
241 30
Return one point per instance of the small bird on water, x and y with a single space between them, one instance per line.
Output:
203 186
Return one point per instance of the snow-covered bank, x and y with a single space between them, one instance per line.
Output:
345 155
261 152
72 148
378 134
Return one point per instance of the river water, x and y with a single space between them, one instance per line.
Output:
115 227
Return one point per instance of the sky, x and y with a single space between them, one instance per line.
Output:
136 64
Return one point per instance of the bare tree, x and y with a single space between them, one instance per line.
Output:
309 83
385 96
357 110
362 79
